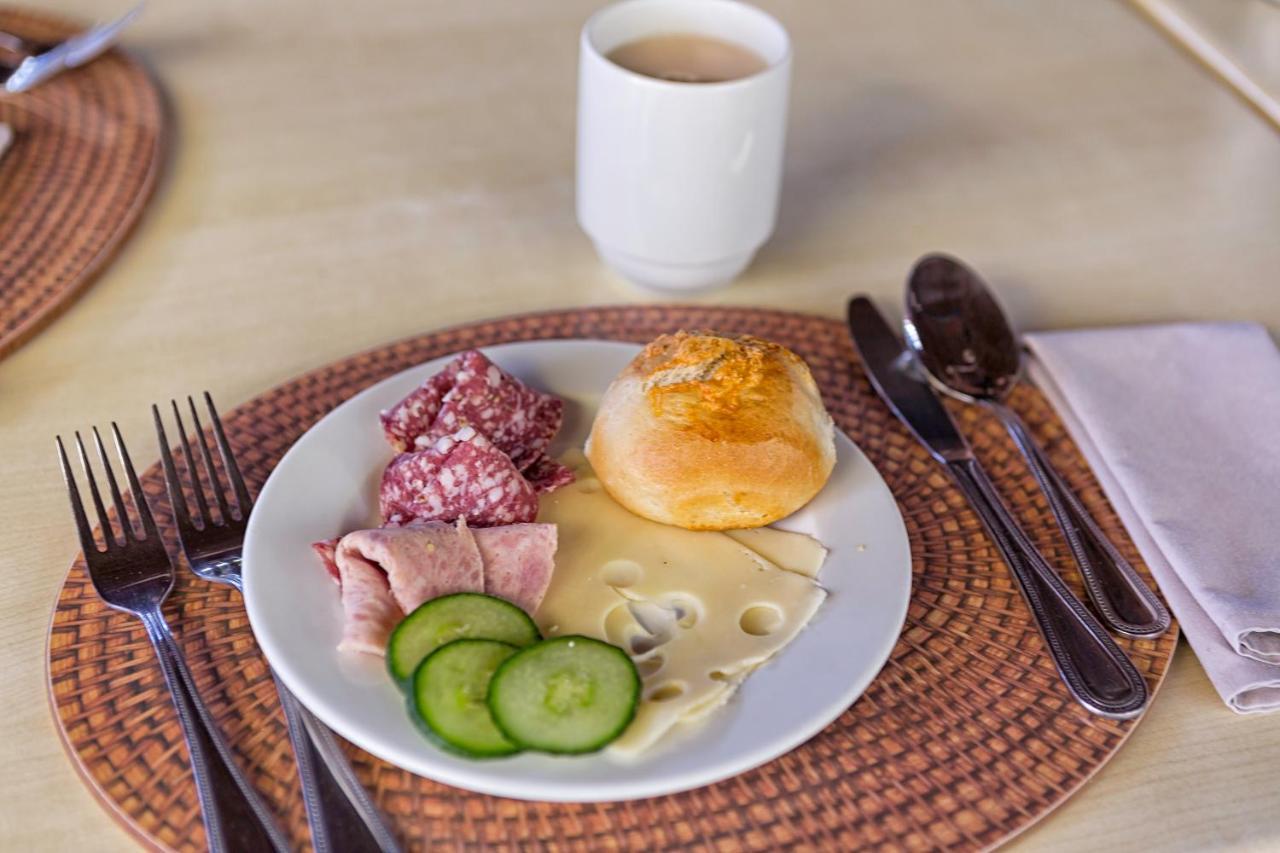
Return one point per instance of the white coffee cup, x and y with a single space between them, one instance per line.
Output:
678 182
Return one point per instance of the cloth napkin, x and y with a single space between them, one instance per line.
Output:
1181 424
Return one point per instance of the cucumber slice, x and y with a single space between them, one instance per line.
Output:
449 690
453 617
568 695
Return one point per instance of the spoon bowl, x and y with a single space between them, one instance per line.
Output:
959 332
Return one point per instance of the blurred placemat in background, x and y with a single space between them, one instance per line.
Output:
85 152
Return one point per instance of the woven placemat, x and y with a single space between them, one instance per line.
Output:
965 738
87 146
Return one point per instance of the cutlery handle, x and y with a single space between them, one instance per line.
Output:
235 818
1124 601
1095 670
341 816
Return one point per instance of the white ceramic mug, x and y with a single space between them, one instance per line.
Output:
678 182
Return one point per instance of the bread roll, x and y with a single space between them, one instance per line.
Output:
712 432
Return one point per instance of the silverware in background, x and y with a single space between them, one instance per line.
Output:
24 65
970 351
1095 670
341 816
133 573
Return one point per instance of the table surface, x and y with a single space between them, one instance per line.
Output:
339 179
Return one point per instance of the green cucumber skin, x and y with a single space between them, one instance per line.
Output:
596 743
402 634
434 732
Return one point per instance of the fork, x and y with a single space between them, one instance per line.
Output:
341 816
31 64
133 573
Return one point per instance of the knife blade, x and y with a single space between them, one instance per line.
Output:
889 365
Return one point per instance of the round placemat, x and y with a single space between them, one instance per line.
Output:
87 146
965 738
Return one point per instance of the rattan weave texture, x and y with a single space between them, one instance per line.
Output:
965 738
86 152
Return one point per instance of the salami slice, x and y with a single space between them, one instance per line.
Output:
519 420
547 475
473 391
458 476
414 415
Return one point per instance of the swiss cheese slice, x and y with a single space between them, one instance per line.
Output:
794 552
697 610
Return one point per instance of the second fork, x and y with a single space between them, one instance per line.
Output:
341 816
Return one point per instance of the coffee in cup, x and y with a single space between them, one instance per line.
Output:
688 58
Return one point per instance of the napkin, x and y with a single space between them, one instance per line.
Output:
1181 424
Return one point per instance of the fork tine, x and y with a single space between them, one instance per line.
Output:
139 497
194 472
108 535
77 505
243 501
176 499
126 525
214 481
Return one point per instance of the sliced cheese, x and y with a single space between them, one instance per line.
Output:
697 610
794 552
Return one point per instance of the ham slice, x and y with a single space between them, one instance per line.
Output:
421 562
387 572
369 611
518 562
462 475
327 551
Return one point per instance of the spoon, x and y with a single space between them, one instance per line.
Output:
969 350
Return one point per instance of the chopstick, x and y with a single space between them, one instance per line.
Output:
1183 34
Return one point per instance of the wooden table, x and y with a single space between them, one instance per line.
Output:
342 176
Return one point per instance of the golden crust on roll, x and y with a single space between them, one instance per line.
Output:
712 432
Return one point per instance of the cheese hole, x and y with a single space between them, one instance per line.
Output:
619 625
667 691
760 620
641 644
621 573
717 675
650 666
686 612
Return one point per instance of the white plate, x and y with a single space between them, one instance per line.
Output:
327 485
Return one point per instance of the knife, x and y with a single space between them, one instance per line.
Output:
1095 670
71 53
